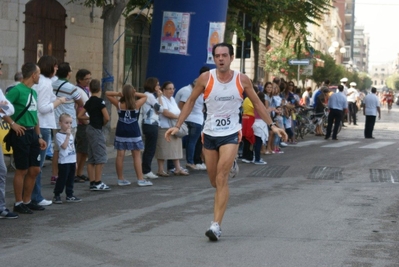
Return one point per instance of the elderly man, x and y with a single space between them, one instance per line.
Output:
337 104
370 109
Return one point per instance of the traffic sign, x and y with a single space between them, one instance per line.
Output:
308 70
304 61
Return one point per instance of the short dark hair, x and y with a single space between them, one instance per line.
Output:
204 69
150 84
229 46
18 76
340 87
373 90
95 86
63 70
28 69
46 64
327 81
81 74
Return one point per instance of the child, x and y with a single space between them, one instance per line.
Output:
128 135
97 150
287 124
66 161
279 121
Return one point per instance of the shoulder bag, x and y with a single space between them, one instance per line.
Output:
7 137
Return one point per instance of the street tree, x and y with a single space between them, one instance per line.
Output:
288 17
112 11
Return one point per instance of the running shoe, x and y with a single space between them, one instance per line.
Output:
214 232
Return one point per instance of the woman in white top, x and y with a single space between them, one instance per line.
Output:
46 103
168 150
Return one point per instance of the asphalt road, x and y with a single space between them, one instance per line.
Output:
321 203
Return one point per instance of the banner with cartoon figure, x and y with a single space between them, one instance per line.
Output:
174 37
216 35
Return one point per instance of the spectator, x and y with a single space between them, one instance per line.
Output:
17 80
97 149
66 161
63 88
168 150
83 79
4 212
150 125
26 140
46 103
127 134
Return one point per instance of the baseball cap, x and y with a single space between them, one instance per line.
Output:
344 80
352 84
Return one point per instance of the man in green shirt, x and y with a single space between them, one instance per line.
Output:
26 140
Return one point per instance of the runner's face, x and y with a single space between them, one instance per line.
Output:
222 58
86 80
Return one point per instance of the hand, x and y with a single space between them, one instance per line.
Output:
280 132
43 144
19 130
68 131
120 94
159 93
62 99
171 131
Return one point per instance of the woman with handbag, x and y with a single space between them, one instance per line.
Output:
168 150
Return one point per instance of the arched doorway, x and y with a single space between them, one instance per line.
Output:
137 41
44 30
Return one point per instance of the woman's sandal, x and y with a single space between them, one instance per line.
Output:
181 172
162 174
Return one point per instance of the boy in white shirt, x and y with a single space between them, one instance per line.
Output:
66 161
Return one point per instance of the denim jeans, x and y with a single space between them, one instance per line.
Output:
257 147
194 132
66 176
37 189
150 133
3 175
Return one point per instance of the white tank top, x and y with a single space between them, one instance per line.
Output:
223 102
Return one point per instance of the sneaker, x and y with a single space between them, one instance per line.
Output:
123 182
278 151
73 199
172 171
192 167
92 187
6 214
214 232
200 167
260 162
57 200
246 161
234 169
22 208
34 206
283 144
144 182
100 187
53 179
150 175
45 202
203 166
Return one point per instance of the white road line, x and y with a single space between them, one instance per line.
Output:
377 145
393 180
340 144
310 142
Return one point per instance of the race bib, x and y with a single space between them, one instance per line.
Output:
223 122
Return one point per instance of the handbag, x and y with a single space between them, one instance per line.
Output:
183 131
7 137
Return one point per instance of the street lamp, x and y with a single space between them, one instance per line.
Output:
334 48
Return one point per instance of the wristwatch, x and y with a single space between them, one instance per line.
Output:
272 124
40 136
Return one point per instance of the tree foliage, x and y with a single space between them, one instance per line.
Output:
111 14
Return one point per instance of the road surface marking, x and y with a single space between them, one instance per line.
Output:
340 144
378 145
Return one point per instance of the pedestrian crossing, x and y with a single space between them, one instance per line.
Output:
344 143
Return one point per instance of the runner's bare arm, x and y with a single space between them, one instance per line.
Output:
188 106
258 105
